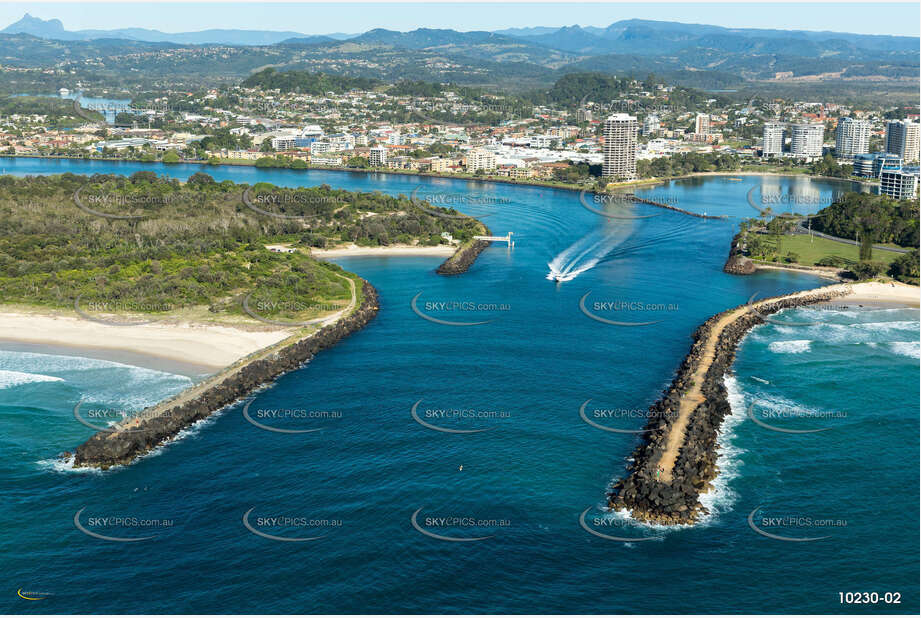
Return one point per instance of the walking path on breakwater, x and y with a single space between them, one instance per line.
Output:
677 460
693 397
143 432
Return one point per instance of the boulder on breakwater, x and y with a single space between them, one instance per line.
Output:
677 501
162 422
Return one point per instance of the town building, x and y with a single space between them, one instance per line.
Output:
806 140
480 159
702 124
852 137
901 184
902 139
872 164
773 139
619 147
377 156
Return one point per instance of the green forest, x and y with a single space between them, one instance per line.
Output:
872 217
151 244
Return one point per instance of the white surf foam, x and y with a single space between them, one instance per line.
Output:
65 466
794 346
8 379
722 497
911 349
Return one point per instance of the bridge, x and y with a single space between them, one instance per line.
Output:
506 239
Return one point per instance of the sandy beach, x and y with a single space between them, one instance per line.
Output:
895 292
203 345
402 250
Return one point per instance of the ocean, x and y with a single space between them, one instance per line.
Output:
403 516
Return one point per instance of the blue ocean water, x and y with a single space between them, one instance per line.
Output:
523 483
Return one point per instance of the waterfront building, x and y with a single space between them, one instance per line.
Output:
773 139
852 137
806 140
902 139
901 184
620 147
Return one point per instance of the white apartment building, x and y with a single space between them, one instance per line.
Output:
773 139
901 184
377 157
852 137
480 159
902 139
620 147
806 140
702 124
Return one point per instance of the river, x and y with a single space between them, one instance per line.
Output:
520 486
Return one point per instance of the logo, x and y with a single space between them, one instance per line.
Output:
30 595
298 306
605 199
791 522
282 521
78 201
80 111
606 521
785 200
455 306
115 306
277 414
761 423
105 521
414 412
452 522
429 211
125 419
250 201
612 413
598 318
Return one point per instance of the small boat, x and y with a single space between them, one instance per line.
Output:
763 381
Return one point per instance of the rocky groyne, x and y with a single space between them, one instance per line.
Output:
677 460
737 263
463 258
158 424
641 200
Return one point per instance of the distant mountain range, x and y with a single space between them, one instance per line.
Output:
688 54
632 36
54 29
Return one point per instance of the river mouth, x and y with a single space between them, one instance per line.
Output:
522 377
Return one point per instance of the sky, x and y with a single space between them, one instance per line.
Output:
354 17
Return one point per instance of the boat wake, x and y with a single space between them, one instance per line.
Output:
609 244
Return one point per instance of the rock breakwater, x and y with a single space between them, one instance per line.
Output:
162 422
677 460
463 258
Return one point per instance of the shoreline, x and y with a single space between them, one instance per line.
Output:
677 461
196 372
547 185
200 347
391 250
157 424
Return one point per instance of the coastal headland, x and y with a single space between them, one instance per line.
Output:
677 460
